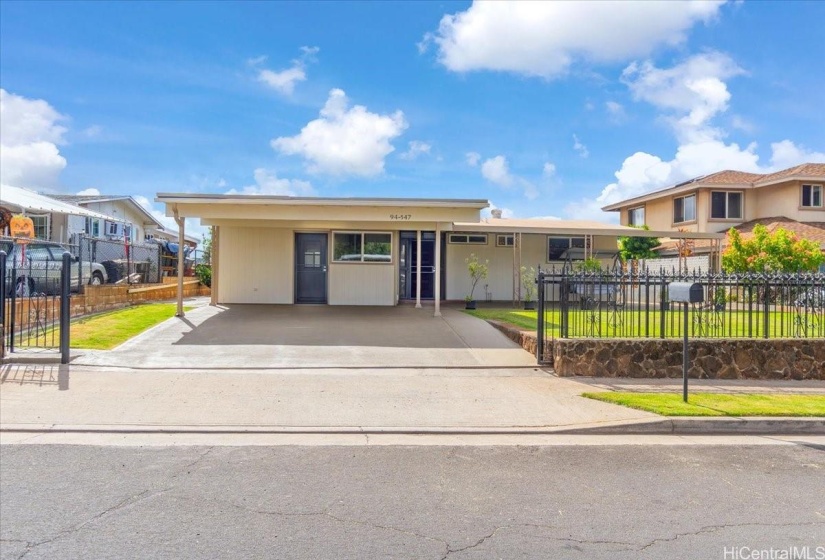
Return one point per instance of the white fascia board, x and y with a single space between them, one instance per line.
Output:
176 198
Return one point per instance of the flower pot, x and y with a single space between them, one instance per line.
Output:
470 304
530 305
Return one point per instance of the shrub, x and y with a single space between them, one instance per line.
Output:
204 274
780 251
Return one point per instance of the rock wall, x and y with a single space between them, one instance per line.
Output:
649 358
709 359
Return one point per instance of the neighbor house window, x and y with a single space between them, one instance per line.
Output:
559 248
684 209
112 228
504 240
811 196
726 205
41 225
636 216
93 227
468 238
361 247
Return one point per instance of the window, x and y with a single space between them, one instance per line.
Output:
93 227
811 196
41 225
361 247
726 205
468 238
558 248
504 240
684 209
636 216
112 228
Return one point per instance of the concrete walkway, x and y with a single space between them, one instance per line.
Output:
305 337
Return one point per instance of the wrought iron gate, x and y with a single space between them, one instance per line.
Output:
35 299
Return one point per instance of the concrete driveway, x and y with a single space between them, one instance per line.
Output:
305 337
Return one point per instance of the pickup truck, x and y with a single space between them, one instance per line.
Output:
36 269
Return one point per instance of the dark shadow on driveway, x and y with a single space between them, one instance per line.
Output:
299 325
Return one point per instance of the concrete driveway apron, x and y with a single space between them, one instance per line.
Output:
295 337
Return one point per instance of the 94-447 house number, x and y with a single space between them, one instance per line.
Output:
400 216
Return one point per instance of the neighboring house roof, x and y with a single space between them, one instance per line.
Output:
30 201
83 200
815 231
171 234
806 171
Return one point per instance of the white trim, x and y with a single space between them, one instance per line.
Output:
727 194
182 198
812 186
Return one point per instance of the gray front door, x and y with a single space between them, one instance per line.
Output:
310 268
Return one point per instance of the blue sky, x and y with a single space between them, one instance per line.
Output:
545 109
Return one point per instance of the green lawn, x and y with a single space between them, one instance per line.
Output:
714 404
106 330
608 324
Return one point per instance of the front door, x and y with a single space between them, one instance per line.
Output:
310 268
408 265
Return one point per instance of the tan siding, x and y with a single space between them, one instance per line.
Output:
785 200
362 284
256 265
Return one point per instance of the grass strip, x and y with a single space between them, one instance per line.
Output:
717 404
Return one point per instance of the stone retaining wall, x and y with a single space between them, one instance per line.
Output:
652 358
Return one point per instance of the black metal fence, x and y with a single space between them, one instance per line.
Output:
618 304
35 297
122 262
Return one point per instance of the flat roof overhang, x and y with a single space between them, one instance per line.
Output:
267 200
572 227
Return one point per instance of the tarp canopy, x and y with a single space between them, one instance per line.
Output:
24 200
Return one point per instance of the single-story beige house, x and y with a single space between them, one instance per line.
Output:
377 251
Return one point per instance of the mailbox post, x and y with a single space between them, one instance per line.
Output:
685 293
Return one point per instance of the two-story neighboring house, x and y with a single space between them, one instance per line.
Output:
136 220
793 199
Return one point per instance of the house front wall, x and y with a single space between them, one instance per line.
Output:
499 281
122 211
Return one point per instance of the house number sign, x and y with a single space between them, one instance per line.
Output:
404 217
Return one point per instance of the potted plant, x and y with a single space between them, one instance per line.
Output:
528 284
478 271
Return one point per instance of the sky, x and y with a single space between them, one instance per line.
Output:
546 109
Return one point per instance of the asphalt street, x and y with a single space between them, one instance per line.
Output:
362 502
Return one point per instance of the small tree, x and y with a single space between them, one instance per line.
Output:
637 248
528 282
478 271
780 251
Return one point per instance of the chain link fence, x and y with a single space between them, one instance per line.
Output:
130 263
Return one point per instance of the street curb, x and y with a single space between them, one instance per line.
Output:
669 426
711 426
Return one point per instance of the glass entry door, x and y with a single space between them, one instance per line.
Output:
408 265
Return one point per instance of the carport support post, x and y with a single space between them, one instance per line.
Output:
418 269
214 256
437 278
180 220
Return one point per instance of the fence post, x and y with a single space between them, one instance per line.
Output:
662 297
2 300
766 309
65 308
540 318
564 301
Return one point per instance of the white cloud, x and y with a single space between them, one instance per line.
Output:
497 171
284 80
417 148
694 92
787 154
554 35
345 140
29 135
268 183
549 169
89 192
615 112
580 148
472 158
